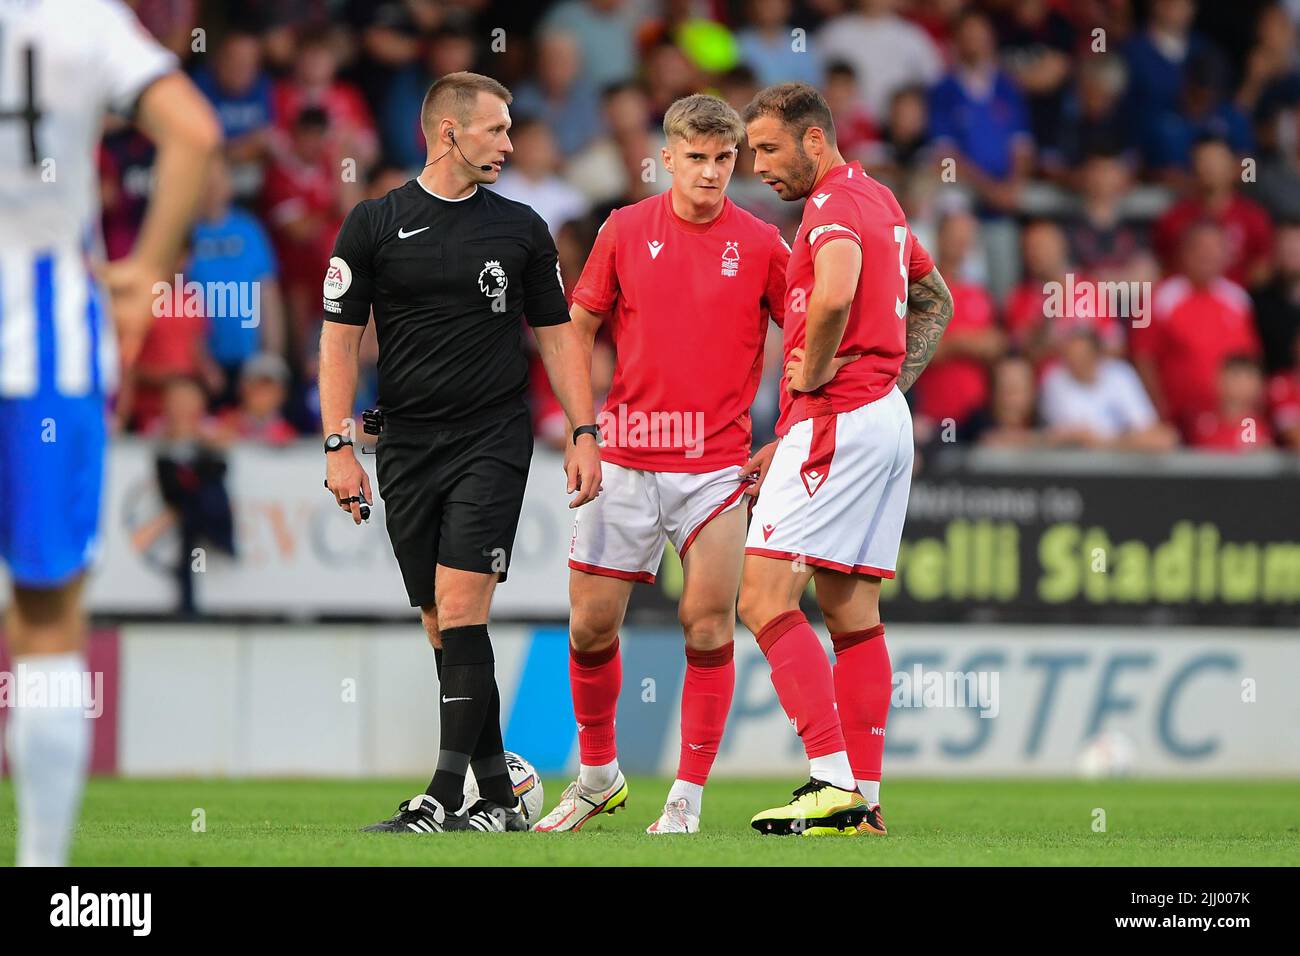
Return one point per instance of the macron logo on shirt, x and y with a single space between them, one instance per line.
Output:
655 247
820 199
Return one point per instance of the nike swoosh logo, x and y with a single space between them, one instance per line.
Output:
403 234
448 700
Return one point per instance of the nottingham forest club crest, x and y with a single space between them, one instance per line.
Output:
492 281
731 259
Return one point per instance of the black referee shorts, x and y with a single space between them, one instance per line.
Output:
453 497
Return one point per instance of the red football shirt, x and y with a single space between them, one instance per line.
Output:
690 304
1246 228
172 347
1192 330
846 203
1027 307
1213 431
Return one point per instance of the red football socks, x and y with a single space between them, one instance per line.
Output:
595 679
863 683
706 700
804 684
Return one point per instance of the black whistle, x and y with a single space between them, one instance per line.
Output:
365 505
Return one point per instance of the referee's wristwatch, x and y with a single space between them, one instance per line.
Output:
336 441
592 430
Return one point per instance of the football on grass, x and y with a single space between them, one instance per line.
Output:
525 781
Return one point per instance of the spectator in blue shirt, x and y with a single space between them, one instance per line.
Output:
978 117
1205 111
240 92
229 245
1092 119
450 50
606 34
1156 60
767 46
555 97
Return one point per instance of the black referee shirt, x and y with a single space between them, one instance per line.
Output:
449 281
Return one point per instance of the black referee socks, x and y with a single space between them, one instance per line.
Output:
489 761
468 698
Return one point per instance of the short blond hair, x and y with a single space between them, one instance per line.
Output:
703 115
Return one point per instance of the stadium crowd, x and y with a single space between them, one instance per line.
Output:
1110 187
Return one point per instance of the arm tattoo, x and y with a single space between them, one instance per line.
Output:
929 308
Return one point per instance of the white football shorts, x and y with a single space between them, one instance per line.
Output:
836 491
622 533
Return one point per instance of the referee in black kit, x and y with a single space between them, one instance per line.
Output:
449 268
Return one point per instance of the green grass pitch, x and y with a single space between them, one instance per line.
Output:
932 822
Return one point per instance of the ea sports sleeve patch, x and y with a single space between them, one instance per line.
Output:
348 276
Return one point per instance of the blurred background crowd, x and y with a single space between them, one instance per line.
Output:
1042 151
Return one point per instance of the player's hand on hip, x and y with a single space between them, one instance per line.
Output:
758 466
582 469
799 379
347 481
130 284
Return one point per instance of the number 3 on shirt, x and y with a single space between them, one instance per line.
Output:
900 237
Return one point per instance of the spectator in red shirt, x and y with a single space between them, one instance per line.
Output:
1239 422
1197 320
174 348
956 382
1284 401
305 200
1048 274
315 84
263 388
1247 229
1045 257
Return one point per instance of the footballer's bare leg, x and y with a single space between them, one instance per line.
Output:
707 612
850 605
597 604
769 606
49 745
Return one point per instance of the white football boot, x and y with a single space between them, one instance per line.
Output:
675 819
578 805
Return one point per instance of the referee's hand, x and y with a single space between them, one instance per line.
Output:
582 468
345 478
